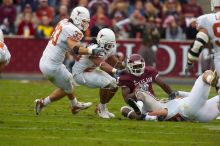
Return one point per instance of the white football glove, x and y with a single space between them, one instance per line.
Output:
95 50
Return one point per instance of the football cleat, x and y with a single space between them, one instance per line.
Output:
210 77
134 105
80 106
111 115
103 112
38 106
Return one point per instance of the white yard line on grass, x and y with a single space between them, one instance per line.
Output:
217 128
102 122
104 130
106 139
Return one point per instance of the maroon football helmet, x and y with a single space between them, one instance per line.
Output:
135 64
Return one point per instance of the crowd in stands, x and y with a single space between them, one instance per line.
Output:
128 18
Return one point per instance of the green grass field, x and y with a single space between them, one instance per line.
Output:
56 126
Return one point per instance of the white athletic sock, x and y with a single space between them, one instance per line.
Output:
140 104
74 101
103 106
47 100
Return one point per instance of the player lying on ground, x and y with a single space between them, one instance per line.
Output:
85 70
66 37
193 106
5 55
140 76
208 26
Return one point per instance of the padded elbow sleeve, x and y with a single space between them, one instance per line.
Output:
201 39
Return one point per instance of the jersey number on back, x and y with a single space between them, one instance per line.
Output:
216 30
56 34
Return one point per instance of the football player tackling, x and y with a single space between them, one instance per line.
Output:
94 72
66 37
5 55
193 106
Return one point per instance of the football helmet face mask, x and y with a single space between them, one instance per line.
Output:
80 17
214 3
1 36
106 39
135 64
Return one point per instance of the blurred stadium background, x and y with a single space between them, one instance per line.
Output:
160 30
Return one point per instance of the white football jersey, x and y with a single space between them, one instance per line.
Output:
85 63
176 110
211 22
173 108
57 46
5 55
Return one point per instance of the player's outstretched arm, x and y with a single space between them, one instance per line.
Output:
159 113
163 85
104 65
80 50
114 61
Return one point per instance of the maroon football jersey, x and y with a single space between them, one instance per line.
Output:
131 81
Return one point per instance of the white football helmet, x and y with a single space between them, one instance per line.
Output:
1 36
135 64
215 3
106 39
81 17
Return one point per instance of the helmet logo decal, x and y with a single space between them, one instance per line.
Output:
101 35
78 13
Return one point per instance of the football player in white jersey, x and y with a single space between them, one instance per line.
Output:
66 37
208 26
193 106
94 71
5 55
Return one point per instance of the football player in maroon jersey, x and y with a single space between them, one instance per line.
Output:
190 106
139 76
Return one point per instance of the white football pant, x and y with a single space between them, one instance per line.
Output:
196 106
95 79
150 103
57 74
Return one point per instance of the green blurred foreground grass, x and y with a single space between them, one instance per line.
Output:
56 126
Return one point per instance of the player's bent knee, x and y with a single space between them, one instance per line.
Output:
68 91
69 88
